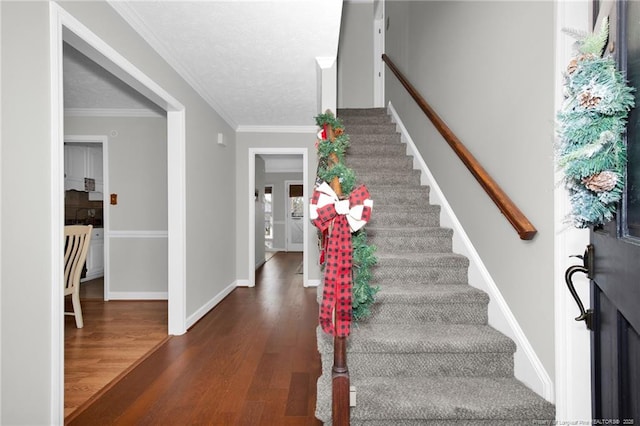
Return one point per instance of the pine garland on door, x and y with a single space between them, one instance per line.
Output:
591 150
363 294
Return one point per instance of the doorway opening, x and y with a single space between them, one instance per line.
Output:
255 194
66 29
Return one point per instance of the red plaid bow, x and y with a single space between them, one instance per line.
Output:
340 217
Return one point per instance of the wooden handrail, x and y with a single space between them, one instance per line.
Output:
518 220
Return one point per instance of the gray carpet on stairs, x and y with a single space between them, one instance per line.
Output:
426 356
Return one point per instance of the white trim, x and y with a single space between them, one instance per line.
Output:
327 83
290 246
137 234
83 39
276 129
56 408
251 252
204 309
270 170
313 283
243 283
378 66
111 112
572 339
133 19
527 366
138 295
103 141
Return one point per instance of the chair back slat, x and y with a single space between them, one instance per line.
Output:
76 241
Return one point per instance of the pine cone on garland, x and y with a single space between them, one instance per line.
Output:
589 101
601 182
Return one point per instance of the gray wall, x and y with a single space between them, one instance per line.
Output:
487 68
137 149
244 141
279 211
26 352
355 56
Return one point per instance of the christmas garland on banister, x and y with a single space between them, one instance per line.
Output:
363 294
591 150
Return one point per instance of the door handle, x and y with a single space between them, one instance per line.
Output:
585 268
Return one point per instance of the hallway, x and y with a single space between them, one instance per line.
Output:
251 360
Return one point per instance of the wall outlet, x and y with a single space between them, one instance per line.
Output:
221 139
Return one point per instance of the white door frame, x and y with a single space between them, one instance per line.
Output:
572 339
251 261
103 141
63 26
287 218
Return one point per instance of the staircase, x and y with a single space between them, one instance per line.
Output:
426 356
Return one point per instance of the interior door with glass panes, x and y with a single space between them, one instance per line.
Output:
295 215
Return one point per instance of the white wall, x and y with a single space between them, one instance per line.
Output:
355 56
280 198
27 370
487 68
138 175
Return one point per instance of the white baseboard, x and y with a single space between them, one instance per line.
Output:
138 295
312 283
204 309
260 263
527 366
243 283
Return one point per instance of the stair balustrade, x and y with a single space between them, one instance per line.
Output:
340 372
514 215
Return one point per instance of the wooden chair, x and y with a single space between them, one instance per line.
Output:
76 247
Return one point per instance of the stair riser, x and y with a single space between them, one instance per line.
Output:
408 178
392 139
430 244
459 313
348 121
381 163
401 218
377 149
360 112
418 196
371 129
426 364
418 275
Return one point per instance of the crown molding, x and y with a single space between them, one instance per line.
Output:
111 112
276 129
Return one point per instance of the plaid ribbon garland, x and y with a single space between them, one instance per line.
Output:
340 218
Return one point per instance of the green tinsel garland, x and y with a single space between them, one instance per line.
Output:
363 295
591 150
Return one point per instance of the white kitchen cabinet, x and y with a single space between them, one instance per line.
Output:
95 256
81 161
75 167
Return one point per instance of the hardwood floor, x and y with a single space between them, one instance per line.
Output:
252 360
115 336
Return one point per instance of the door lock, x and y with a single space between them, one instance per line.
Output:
585 268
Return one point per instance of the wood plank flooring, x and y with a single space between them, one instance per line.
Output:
115 336
252 360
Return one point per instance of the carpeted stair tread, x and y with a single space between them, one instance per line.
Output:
415 294
421 338
447 398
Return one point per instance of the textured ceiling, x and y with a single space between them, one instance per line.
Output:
253 61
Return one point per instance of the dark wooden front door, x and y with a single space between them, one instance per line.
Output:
615 285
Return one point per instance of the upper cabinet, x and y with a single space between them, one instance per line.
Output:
80 162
